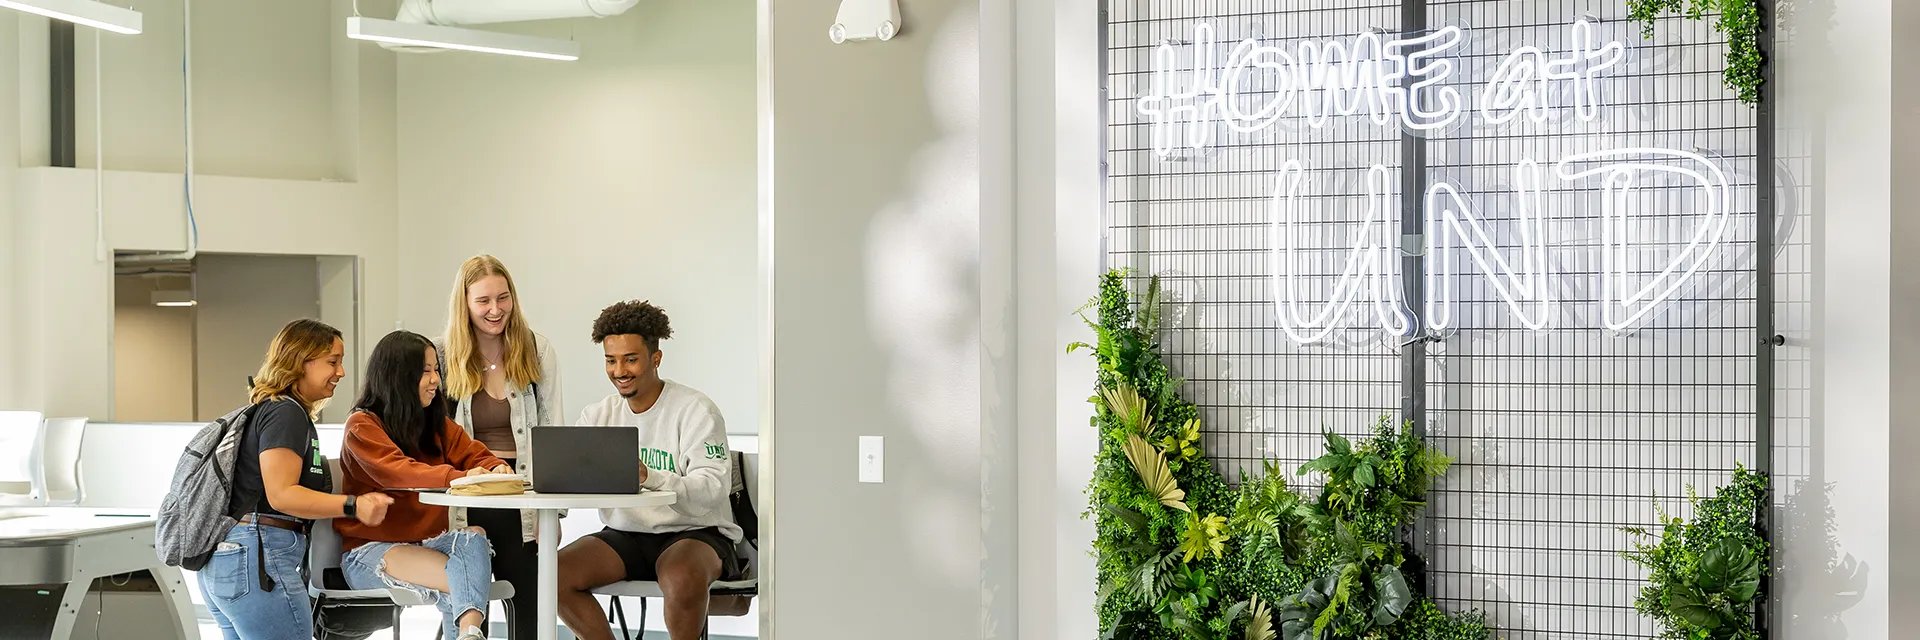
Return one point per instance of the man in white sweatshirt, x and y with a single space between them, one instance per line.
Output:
683 448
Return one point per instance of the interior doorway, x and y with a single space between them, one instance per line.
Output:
187 334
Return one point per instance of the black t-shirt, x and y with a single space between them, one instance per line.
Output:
278 424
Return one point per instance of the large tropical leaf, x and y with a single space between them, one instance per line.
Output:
1204 537
1363 475
1154 473
1391 595
1729 567
1125 403
1338 444
1234 613
1299 611
1260 626
1690 605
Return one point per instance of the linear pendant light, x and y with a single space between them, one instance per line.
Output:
427 35
98 15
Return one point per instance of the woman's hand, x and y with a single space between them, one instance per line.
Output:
501 468
371 508
478 471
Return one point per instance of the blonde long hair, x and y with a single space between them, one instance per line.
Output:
466 371
298 343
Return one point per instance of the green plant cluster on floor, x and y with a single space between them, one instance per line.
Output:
1184 556
1704 576
1739 21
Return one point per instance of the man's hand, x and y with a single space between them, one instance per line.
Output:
643 473
501 468
478 471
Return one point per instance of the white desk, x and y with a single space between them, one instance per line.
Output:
549 505
44 549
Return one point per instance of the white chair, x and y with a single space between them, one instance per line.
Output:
746 473
22 434
59 464
328 587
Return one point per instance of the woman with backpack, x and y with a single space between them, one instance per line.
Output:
253 581
399 437
503 380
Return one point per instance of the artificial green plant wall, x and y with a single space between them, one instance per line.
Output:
1182 555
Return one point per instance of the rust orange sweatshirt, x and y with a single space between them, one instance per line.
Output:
370 461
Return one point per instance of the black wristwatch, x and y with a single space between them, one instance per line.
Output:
346 510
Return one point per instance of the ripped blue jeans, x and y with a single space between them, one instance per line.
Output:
469 573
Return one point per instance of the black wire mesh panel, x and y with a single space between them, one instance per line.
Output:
1642 382
1589 254
1192 203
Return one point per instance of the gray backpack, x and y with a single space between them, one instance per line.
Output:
193 518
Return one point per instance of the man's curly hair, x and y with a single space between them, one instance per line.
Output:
633 318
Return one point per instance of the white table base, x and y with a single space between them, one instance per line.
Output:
549 565
549 506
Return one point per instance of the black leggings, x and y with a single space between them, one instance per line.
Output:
515 562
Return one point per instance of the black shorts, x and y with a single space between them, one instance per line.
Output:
641 551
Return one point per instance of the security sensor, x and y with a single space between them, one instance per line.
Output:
865 20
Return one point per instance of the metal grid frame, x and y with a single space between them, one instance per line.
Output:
1561 437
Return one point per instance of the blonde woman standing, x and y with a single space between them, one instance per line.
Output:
504 380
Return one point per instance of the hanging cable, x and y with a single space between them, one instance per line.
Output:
186 90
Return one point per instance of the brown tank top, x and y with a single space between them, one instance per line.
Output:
493 423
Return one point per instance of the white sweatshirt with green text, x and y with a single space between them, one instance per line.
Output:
683 442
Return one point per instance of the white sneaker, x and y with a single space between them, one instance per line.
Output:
472 633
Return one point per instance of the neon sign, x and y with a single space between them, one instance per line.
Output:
1368 270
1453 225
1714 199
1525 81
1408 82
1361 76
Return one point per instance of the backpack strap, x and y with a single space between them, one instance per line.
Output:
259 543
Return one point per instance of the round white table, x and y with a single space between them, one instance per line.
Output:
549 505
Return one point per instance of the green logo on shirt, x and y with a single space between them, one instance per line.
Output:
657 459
716 452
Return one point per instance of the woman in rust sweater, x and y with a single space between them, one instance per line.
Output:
399 437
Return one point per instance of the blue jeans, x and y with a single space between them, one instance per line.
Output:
231 583
469 574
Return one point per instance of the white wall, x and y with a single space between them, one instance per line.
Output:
258 185
244 301
1058 210
263 90
340 307
152 352
892 293
1845 83
626 175
13 278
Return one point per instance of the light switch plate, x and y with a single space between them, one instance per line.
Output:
873 459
